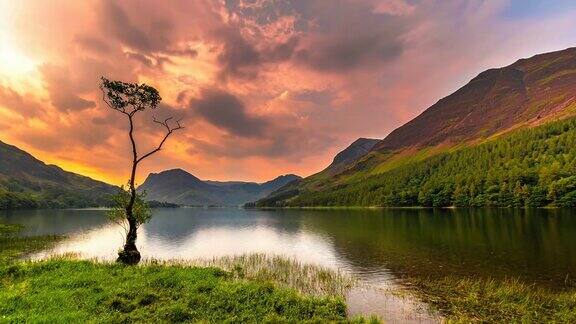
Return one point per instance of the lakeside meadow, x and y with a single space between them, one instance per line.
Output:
285 161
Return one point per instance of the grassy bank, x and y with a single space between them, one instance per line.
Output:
62 290
252 289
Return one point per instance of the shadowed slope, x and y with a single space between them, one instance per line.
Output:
26 182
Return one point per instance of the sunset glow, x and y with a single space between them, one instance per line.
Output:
264 87
12 62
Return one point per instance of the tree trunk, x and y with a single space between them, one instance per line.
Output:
130 254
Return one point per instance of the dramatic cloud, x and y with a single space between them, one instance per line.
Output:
225 111
239 58
350 35
63 90
19 104
263 86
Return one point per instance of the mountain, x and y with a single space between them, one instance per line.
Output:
278 182
351 154
181 187
524 93
26 182
509 132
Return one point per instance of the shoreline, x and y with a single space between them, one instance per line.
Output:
404 207
445 297
310 207
253 289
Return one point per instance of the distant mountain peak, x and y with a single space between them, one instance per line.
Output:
279 182
284 177
351 154
174 172
172 178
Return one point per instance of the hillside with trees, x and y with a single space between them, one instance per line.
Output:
527 168
504 139
26 182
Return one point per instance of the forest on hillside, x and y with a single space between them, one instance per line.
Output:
533 167
17 194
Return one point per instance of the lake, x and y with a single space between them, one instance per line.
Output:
377 245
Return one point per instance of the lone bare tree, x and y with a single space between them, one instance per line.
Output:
129 99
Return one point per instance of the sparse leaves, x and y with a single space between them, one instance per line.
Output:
141 211
129 98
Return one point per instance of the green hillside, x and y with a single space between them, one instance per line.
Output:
531 167
26 182
496 141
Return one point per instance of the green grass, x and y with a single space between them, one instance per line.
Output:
9 229
62 290
255 288
12 248
498 301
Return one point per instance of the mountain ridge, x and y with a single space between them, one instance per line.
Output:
529 93
27 182
181 187
522 92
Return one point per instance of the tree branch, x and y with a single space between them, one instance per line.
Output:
169 131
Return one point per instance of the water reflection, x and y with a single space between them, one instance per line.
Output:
535 245
56 221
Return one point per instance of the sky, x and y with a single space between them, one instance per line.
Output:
263 87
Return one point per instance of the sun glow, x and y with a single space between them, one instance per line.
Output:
83 169
12 61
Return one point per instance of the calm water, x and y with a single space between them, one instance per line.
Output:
377 245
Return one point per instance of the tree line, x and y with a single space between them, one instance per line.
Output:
16 194
533 167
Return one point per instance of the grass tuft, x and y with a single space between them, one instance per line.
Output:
13 247
9 229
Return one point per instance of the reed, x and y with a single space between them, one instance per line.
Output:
496 301
286 272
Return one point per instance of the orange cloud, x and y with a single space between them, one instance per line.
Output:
265 87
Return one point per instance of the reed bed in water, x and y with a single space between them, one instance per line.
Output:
466 300
287 272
